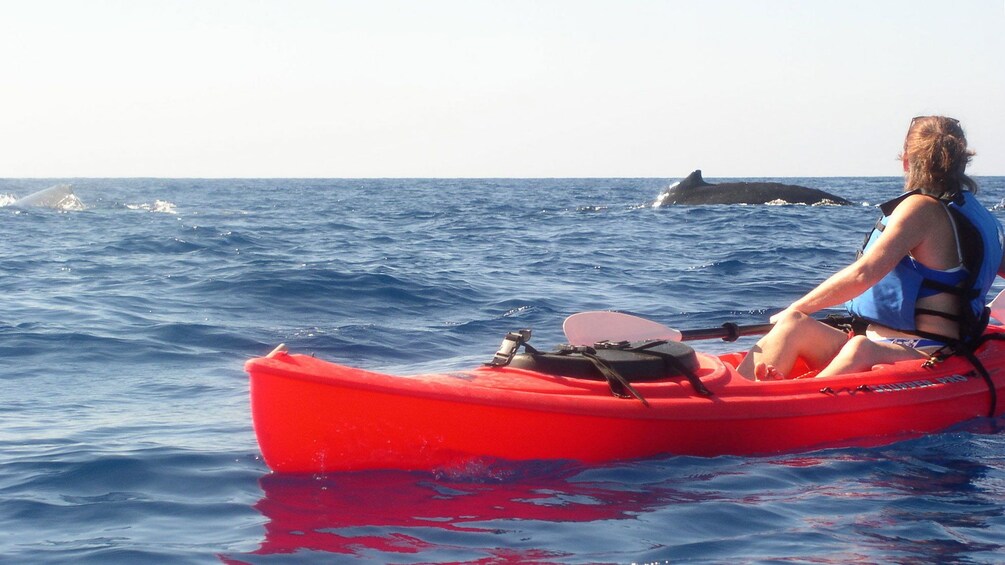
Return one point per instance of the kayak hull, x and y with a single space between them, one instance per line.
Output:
312 416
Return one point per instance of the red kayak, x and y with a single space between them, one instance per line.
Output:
313 416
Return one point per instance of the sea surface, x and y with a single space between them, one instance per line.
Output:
126 435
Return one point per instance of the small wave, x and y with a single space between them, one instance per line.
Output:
826 202
161 206
783 202
514 312
728 266
7 199
70 203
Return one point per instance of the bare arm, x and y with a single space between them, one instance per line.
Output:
906 229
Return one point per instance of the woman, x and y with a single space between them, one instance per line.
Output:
921 280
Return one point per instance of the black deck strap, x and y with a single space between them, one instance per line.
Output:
969 351
608 344
568 349
615 381
676 363
971 355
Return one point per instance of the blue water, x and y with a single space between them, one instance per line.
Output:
125 432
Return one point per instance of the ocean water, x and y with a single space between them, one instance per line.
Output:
125 431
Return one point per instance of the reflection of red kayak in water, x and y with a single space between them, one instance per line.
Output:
355 513
315 416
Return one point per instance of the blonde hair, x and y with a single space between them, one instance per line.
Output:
937 156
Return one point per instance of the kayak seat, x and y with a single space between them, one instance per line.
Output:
636 362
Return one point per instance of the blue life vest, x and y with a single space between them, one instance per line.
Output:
892 301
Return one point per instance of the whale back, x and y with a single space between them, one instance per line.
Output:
694 190
56 196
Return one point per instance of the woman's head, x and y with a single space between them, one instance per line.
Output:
936 156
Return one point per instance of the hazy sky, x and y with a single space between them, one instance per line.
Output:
371 88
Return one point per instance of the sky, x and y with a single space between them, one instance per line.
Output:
479 88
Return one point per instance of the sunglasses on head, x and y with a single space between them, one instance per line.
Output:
916 118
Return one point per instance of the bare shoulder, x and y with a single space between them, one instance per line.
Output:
919 207
918 219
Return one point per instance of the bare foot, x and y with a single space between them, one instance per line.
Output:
765 372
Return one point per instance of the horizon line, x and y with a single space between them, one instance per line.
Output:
155 177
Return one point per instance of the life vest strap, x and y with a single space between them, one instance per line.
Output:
951 317
965 293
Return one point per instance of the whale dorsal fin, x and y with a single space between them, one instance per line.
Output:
694 179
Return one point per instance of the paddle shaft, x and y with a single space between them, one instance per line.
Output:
730 331
587 328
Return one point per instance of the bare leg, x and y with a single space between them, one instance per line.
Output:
861 354
795 335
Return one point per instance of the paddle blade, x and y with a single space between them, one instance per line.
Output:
587 328
997 307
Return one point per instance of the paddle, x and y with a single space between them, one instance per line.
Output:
997 307
587 328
